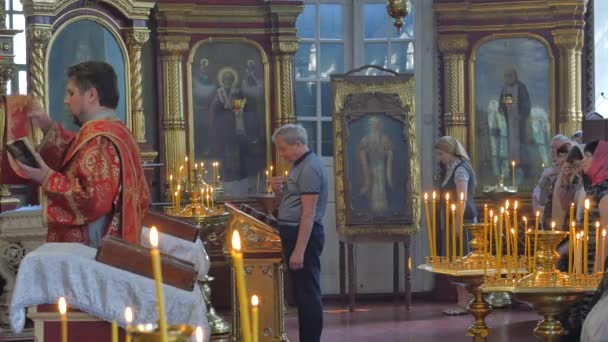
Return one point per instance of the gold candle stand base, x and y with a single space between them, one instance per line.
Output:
549 305
478 307
150 333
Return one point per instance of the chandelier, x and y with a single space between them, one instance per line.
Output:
398 9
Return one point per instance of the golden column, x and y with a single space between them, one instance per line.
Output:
136 38
38 36
569 43
172 50
283 49
453 48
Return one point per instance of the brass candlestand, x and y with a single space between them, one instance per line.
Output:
469 272
548 290
150 333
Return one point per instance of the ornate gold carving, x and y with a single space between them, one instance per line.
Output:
38 37
172 49
132 9
406 93
570 43
135 41
450 44
453 48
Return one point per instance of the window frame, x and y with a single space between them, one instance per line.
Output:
13 85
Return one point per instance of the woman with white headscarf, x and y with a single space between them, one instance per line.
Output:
457 177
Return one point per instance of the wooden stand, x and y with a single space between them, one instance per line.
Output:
352 286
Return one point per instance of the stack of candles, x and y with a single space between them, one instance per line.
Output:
452 230
249 325
268 174
158 279
185 182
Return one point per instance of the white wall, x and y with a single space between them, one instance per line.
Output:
374 261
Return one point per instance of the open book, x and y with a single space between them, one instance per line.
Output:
22 150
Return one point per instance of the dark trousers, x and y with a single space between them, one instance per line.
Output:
306 284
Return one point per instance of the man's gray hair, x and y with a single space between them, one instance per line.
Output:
292 134
561 138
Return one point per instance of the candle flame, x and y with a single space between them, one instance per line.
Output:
495 219
63 306
485 206
199 334
255 301
582 233
236 241
587 204
512 231
462 196
507 205
491 213
525 219
502 210
573 224
171 177
286 173
537 213
186 159
513 163
572 204
179 187
529 230
597 224
426 196
552 225
434 195
515 205
176 194
447 196
128 315
181 167
603 233
153 237
578 236
453 207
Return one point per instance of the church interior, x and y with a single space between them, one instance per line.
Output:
462 142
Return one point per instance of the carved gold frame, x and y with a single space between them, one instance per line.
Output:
266 67
121 44
472 59
406 93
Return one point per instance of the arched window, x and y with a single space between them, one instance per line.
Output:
15 19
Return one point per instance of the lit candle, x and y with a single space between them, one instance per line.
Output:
286 173
597 245
239 271
428 223
586 232
572 218
454 251
499 243
158 282
514 260
179 196
515 237
268 187
571 246
447 223
63 309
199 334
114 332
461 224
492 228
254 319
129 320
485 221
603 248
513 173
527 251
577 255
535 240
271 171
485 240
208 202
552 226
171 191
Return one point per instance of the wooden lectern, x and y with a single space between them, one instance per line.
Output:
263 255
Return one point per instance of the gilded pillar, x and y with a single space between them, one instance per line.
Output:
136 37
453 49
570 44
172 50
38 36
284 49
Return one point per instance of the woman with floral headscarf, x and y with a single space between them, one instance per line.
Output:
457 177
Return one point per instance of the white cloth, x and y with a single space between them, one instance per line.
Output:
69 269
595 328
193 252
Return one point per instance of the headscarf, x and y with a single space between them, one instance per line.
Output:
451 145
598 171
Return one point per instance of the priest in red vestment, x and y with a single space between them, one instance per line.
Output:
92 181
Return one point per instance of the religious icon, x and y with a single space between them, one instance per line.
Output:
229 113
511 100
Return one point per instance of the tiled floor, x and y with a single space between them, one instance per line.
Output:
424 322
